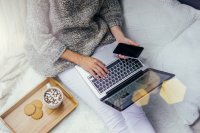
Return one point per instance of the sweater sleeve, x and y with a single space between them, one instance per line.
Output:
39 32
111 12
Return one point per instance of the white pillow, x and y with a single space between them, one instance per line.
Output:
169 31
156 21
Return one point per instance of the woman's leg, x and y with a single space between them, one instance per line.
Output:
112 118
136 120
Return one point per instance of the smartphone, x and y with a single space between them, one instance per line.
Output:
128 50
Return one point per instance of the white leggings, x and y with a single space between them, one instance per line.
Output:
131 120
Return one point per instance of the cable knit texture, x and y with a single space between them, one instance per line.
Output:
78 25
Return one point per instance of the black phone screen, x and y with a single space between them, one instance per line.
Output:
128 50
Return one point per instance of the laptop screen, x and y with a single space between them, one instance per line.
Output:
134 90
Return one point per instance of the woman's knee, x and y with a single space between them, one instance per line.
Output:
112 118
134 114
136 120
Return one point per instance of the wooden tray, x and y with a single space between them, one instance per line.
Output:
17 122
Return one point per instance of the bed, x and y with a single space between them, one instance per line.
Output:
163 29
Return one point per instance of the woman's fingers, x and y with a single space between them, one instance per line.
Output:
129 41
98 72
133 43
122 56
103 66
93 74
99 68
103 74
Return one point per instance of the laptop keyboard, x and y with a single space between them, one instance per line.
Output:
118 70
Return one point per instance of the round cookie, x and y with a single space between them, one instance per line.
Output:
37 103
38 114
29 109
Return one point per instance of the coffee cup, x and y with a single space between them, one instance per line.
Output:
53 97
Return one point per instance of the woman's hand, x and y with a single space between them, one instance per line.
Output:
120 38
94 66
127 41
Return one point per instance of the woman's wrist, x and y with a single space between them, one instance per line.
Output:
72 56
117 33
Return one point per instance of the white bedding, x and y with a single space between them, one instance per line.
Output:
15 74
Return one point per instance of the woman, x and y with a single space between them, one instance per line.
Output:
62 33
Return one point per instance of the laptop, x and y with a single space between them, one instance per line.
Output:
125 81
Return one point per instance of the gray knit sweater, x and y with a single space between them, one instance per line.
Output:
78 25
